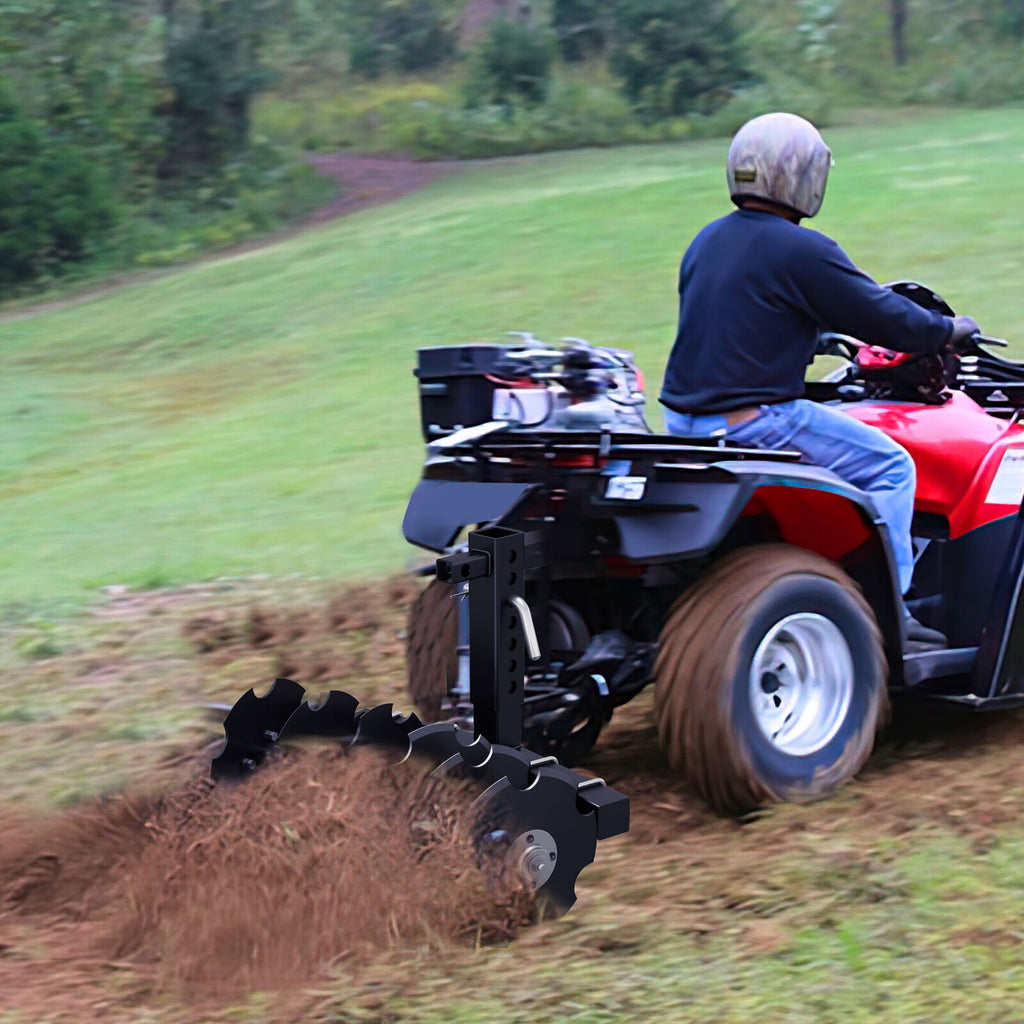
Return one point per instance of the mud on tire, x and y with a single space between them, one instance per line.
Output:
770 682
431 655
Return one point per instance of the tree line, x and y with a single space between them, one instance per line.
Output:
106 105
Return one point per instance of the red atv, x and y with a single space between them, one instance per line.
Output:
757 592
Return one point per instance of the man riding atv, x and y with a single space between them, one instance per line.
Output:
750 563
755 293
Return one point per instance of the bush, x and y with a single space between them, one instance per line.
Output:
581 27
584 107
576 113
510 62
254 195
677 56
54 205
399 35
213 73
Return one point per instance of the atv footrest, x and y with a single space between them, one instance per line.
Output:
936 664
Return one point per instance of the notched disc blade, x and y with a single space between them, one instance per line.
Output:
252 727
333 718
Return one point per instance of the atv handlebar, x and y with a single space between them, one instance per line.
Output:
987 339
831 343
971 366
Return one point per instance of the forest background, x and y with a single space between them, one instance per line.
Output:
142 132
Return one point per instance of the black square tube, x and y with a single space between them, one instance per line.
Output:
497 644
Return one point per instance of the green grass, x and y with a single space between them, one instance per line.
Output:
915 951
257 414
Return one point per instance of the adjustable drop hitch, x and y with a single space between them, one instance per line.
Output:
551 817
501 631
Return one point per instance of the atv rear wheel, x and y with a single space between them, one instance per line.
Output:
431 656
770 682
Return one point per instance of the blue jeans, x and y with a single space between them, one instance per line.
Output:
859 454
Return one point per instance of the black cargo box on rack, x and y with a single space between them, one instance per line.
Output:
455 390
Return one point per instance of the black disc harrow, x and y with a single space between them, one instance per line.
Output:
544 818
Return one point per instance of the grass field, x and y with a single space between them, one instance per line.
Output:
255 416
257 413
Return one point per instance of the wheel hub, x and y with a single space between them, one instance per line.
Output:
801 683
535 854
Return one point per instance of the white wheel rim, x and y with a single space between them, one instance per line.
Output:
801 683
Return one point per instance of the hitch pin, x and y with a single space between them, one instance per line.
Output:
523 611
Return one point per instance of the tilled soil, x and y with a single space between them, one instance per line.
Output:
953 767
931 761
194 894
209 892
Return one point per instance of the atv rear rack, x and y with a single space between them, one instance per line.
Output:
550 445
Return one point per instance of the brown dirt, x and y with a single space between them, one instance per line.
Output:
369 180
932 764
209 892
317 646
161 901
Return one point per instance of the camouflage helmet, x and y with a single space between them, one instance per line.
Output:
781 158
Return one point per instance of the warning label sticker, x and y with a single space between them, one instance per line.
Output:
1008 484
630 488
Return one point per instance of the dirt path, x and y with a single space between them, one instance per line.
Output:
363 181
369 180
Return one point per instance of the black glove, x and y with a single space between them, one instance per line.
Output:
964 327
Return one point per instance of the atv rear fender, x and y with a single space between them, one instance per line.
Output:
686 512
439 510
691 511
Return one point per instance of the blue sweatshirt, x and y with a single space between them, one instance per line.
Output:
754 291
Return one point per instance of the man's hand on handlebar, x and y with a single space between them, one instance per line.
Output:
967 336
965 330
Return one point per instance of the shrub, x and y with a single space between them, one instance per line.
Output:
677 56
510 62
54 204
398 35
581 27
